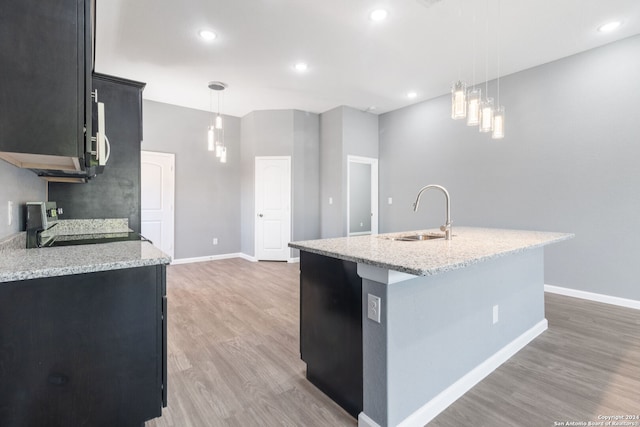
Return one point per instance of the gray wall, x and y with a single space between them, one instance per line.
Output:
569 163
343 131
331 214
207 196
18 186
306 176
282 133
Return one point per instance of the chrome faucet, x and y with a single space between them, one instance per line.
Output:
447 226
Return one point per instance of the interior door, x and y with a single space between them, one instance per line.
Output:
362 195
273 208
157 197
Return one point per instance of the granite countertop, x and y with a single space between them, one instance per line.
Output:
424 258
18 263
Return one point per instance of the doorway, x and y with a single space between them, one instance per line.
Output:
157 185
362 195
272 208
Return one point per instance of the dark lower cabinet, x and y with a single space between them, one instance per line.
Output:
83 350
331 328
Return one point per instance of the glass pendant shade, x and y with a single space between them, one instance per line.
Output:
473 107
218 149
486 115
223 155
218 121
210 145
458 100
498 123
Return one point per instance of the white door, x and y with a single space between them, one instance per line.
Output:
158 189
273 208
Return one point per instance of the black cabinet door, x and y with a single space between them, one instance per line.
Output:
331 328
81 350
116 192
44 72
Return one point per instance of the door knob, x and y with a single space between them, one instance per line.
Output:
260 215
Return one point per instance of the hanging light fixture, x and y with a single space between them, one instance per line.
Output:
498 115
486 115
498 123
215 134
473 111
469 104
458 100
474 96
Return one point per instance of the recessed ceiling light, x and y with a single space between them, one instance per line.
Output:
207 35
609 26
301 66
411 95
379 15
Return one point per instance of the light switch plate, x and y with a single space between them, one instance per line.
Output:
374 305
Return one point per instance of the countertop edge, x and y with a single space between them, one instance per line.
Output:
69 271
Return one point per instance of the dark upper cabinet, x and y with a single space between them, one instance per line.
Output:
45 74
116 192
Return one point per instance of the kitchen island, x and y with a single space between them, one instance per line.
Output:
82 333
435 316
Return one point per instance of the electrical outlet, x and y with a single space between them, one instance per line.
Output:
374 306
215 240
330 200
496 317
390 200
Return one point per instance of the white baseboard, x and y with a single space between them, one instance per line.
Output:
607 299
247 257
364 421
211 258
294 260
439 403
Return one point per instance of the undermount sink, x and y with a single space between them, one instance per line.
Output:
415 237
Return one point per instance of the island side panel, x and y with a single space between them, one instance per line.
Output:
331 327
439 328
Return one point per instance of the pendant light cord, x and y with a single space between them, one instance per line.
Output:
486 56
499 45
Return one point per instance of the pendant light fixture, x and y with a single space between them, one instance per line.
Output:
469 104
498 115
486 107
215 134
458 100
486 115
474 96
473 111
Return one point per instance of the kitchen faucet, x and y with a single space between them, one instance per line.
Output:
447 226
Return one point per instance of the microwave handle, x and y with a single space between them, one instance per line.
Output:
108 145
101 149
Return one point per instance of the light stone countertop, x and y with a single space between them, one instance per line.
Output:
424 258
22 264
18 263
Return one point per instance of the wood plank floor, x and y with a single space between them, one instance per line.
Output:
234 359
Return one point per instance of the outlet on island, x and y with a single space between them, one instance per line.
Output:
215 240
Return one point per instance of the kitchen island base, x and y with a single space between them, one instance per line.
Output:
437 337
444 313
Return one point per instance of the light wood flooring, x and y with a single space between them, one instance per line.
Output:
233 359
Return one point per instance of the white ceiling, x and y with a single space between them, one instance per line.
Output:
422 46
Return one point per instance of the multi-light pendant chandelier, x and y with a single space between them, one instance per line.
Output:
469 104
215 135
